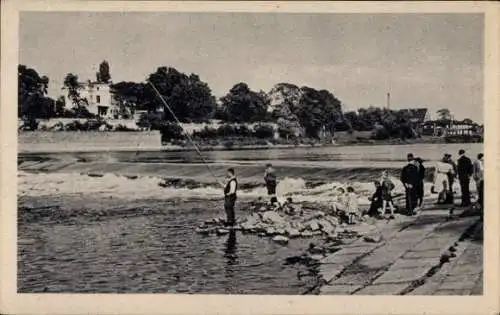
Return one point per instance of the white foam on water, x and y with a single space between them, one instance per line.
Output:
111 185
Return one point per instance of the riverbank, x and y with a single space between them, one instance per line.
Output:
95 141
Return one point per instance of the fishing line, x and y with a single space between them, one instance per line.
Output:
185 133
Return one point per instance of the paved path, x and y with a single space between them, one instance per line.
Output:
408 259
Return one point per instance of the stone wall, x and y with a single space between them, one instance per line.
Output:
59 141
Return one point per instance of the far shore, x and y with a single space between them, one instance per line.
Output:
56 148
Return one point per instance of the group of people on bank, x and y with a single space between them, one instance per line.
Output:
412 176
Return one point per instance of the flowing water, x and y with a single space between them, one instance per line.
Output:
119 231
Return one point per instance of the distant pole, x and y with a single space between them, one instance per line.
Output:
388 100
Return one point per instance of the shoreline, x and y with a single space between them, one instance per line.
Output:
52 147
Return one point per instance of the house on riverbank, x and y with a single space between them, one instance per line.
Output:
99 98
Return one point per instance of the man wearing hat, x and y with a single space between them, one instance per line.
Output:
410 179
465 169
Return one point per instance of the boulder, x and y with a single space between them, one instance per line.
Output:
313 225
326 226
373 238
222 231
273 218
271 231
281 232
280 239
291 232
306 234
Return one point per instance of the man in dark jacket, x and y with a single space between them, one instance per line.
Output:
230 197
465 170
271 183
420 185
410 179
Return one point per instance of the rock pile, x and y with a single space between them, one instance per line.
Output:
282 221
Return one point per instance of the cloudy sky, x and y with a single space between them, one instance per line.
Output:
424 60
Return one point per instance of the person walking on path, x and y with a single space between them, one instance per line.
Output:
465 170
409 178
230 197
479 178
271 183
387 187
420 185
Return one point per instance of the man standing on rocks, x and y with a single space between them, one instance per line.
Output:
271 183
410 179
465 170
230 197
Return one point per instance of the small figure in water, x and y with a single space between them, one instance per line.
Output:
352 205
230 197
270 179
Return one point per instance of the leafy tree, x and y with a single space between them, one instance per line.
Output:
60 106
103 75
189 98
244 105
32 88
317 110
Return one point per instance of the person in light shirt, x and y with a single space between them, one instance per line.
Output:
479 178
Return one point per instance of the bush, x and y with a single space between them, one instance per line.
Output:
228 144
286 133
227 130
264 132
171 131
121 127
205 133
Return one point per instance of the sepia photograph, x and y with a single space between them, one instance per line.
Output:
251 153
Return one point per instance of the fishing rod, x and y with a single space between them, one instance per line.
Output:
185 133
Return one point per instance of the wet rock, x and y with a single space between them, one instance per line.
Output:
280 231
273 218
222 231
291 232
270 231
280 239
373 238
306 234
326 226
313 225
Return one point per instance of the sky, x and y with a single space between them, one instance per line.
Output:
423 60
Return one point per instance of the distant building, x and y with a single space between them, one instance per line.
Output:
98 96
439 128
417 115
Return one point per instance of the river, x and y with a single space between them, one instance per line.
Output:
119 231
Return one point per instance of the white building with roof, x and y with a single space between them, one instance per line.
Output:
99 98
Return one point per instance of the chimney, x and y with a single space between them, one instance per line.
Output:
388 101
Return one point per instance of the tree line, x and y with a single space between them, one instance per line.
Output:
306 108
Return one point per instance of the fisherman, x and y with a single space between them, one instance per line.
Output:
420 185
230 197
270 179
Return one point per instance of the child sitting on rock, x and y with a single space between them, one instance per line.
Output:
352 205
340 203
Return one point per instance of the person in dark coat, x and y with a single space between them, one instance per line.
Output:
410 178
465 169
451 175
376 200
420 185
230 197
271 183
